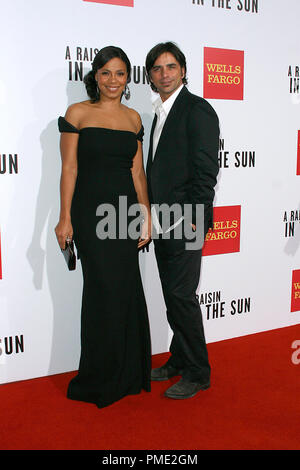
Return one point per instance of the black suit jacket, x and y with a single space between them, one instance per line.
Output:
185 165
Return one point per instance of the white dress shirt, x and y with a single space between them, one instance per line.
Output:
162 109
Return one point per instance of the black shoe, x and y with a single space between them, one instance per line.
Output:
164 372
184 389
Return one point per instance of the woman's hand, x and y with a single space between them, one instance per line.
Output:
64 231
145 237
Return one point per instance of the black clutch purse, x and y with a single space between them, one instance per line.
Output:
69 255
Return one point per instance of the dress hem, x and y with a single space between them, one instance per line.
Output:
100 404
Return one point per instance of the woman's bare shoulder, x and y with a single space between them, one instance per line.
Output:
76 111
134 117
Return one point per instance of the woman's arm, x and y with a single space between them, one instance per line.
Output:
68 150
140 184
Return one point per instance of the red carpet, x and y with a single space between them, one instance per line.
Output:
253 403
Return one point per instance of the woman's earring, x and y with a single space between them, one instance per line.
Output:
98 90
127 92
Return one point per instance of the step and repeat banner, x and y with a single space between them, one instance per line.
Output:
243 56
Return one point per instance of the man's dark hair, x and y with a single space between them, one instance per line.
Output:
159 49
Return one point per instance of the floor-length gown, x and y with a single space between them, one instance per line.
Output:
115 356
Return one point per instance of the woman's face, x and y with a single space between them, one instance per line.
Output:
112 78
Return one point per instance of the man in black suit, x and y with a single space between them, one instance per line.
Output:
182 169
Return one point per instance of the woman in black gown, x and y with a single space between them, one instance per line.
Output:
101 148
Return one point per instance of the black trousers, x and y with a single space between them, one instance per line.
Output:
179 271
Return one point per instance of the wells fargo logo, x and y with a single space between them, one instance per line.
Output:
123 3
295 301
298 154
223 74
225 236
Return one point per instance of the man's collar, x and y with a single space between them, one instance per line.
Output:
166 105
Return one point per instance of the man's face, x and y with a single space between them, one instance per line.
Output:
166 74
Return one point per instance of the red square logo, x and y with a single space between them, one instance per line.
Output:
225 236
123 3
223 74
295 300
298 154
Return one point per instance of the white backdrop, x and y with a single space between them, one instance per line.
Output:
39 299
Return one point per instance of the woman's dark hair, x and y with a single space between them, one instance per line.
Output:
101 58
159 49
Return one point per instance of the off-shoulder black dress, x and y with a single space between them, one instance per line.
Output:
115 337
